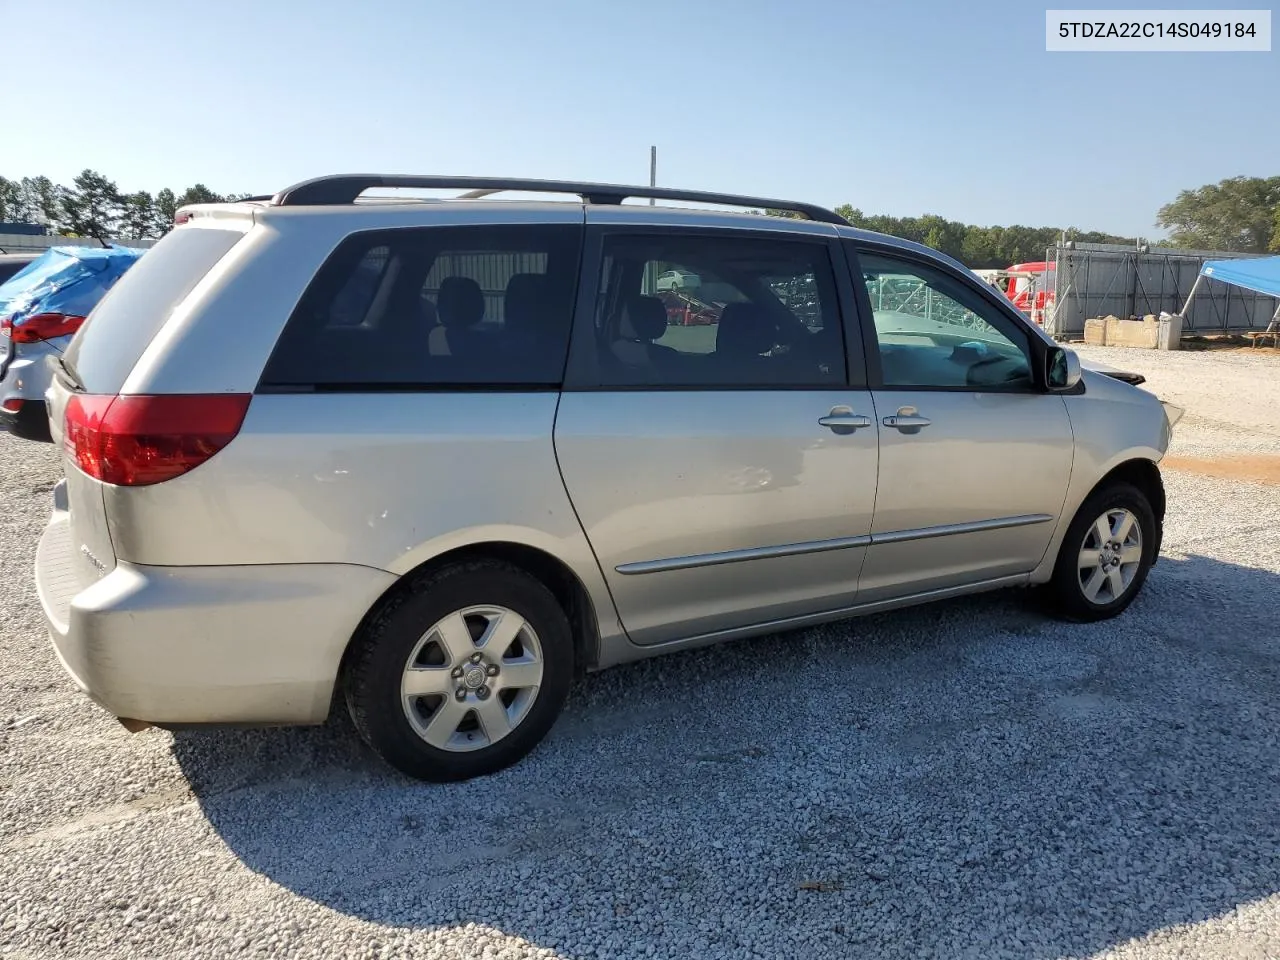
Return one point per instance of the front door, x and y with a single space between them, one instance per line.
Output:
721 464
974 459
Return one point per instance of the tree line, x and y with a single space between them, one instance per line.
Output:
1237 214
973 245
93 206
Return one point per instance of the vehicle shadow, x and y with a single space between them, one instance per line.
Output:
969 778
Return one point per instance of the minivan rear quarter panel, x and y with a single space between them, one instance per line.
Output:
378 475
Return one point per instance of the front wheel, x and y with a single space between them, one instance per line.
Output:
1105 556
463 674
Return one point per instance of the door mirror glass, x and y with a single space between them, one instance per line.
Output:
1063 369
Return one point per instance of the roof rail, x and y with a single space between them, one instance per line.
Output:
345 188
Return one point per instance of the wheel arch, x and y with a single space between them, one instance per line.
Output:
556 575
1138 466
1145 475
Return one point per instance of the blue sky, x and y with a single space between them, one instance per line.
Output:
905 108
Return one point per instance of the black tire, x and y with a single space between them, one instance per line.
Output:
372 680
1065 592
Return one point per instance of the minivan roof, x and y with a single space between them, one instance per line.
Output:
330 193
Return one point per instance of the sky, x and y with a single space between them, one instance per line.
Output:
934 106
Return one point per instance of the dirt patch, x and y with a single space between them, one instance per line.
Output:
1232 343
1261 468
1258 351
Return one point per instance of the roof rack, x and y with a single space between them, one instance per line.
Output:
345 188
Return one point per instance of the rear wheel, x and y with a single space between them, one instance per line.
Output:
1106 554
464 674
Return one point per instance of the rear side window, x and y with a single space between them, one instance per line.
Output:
435 306
694 310
122 325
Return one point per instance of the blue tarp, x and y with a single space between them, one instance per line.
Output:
68 280
1261 274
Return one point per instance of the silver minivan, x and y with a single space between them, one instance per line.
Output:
441 457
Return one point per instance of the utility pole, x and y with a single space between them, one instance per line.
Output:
653 170
650 269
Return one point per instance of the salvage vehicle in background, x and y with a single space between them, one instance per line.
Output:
11 263
41 308
1031 288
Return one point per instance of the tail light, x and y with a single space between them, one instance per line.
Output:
40 326
136 441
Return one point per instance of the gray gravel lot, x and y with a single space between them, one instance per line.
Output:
964 780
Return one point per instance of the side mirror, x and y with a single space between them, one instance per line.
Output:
1062 369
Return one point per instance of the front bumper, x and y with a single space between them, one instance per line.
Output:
254 644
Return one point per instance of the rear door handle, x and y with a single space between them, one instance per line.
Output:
843 420
907 420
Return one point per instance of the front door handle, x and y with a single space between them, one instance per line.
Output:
843 420
907 420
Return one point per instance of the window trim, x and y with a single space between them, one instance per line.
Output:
390 236
583 373
1035 347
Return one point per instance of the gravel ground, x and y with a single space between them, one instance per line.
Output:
965 780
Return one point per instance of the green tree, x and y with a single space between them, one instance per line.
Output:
139 216
70 219
45 192
852 214
91 208
199 194
1238 214
15 202
164 209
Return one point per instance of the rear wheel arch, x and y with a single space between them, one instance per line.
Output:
548 569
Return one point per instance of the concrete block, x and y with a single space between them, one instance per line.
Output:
1095 332
1170 331
1133 333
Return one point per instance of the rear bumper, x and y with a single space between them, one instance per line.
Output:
26 378
28 422
195 645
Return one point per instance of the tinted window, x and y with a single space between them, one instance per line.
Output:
717 311
935 331
481 306
8 268
121 326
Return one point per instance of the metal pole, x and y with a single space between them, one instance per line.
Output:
651 269
653 170
1194 287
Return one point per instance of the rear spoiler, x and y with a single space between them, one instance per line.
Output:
187 211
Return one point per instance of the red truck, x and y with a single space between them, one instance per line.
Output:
1032 288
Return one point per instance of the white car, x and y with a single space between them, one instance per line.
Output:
678 280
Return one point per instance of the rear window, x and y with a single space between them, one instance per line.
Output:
436 306
119 329
9 267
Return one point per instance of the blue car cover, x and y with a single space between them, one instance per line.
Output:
66 280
